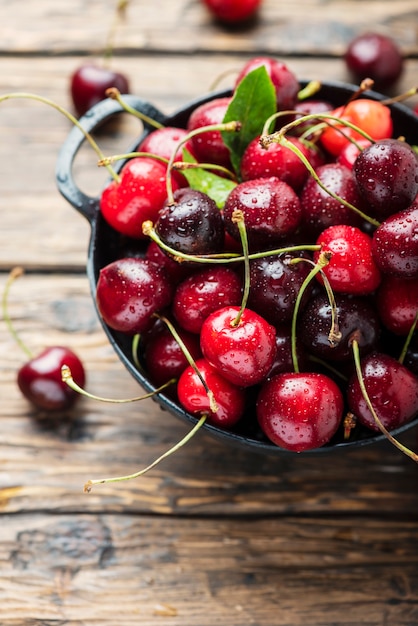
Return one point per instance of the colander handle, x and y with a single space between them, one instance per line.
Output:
85 204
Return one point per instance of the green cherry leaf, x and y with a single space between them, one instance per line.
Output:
216 187
254 100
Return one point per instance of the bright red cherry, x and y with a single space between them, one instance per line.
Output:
242 352
299 411
351 269
41 383
138 196
233 11
376 56
89 84
208 146
193 397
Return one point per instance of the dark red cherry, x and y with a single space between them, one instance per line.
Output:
174 270
233 11
193 224
202 293
299 411
392 389
357 317
41 383
270 207
395 244
376 56
284 80
386 173
193 397
308 107
283 361
129 291
397 303
89 84
208 146
242 352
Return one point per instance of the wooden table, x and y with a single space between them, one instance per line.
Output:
212 535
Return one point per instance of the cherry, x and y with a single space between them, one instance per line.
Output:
370 116
395 244
376 56
41 383
386 173
193 397
175 271
275 283
89 84
204 292
284 80
136 197
356 316
397 302
351 269
275 160
283 361
309 107
208 146
320 209
392 389
244 351
192 224
233 11
299 411
129 291
270 207
350 152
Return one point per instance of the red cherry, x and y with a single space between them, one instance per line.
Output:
137 197
299 411
284 80
89 84
129 291
397 302
41 383
244 353
163 142
395 244
376 56
208 146
352 269
233 11
193 397
392 389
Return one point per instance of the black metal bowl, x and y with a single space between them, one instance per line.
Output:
105 246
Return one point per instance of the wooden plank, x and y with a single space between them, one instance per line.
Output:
45 467
124 569
32 134
186 26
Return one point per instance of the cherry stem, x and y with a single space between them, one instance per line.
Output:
322 261
115 94
188 165
67 378
89 484
15 273
408 340
212 402
69 116
395 442
285 142
129 155
118 15
401 97
238 219
233 126
309 90
225 257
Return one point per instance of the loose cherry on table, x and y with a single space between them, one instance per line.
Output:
89 83
233 11
376 56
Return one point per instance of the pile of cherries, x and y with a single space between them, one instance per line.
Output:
276 282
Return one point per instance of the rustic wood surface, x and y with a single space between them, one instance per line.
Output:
213 535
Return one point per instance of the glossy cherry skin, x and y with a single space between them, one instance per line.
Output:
395 244
283 361
202 293
392 389
129 291
208 146
89 84
357 317
41 383
284 80
376 56
351 269
175 271
386 174
243 353
371 116
138 196
299 411
233 11
271 210
229 398
397 302
350 152
193 224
